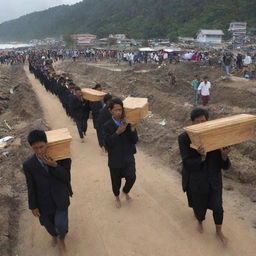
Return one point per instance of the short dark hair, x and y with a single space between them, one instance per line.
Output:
197 112
205 78
114 102
97 86
77 88
107 97
37 136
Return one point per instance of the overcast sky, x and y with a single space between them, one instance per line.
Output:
11 9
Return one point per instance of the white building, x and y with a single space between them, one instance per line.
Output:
118 36
84 39
238 29
211 36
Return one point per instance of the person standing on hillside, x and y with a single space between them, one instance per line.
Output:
204 90
49 188
195 84
202 177
120 140
227 59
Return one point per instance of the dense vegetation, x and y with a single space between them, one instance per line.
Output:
136 18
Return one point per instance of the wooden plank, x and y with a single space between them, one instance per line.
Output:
59 144
135 109
93 95
222 132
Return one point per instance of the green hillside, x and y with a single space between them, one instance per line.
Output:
136 18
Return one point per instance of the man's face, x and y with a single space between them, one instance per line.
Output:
117 112
199 120
39 148
79 93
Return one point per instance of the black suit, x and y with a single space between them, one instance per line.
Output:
202 180
49 190
121 149
103 117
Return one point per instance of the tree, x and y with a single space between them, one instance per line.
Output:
68 40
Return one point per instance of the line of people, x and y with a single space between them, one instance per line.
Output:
49 181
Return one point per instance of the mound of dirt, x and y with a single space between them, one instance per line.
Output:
20 113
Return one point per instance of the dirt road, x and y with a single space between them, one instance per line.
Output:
156 223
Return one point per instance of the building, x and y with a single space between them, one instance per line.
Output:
238 30
84 39
210 36
118 36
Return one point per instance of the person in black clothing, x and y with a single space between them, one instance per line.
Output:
79 108
49 188
202 177
120 139
103 117
95 107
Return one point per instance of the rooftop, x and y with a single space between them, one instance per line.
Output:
211 32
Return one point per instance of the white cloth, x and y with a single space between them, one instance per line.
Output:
204 88
247 60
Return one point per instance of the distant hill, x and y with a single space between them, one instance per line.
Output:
136 18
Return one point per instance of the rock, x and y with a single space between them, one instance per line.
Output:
229 187
253 198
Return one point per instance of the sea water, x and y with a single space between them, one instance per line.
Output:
13 46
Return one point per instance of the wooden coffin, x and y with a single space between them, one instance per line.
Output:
93 95
135 109
59 144
222 132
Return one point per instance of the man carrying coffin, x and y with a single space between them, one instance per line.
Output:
202 177
80 110
49 188
120 139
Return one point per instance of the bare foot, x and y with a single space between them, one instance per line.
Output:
62 247
118 203
200 227
128 198
222 238
82 140
54 241
103 151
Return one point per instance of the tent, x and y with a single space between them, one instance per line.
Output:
172 50
146 49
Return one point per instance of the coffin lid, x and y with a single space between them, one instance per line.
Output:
93 92
221 123
134 102
58 136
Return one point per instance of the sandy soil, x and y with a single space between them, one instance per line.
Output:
156 222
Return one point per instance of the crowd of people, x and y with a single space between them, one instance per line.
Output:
232 62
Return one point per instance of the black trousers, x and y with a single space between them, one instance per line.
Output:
212 200
128 172
81 127
56 224
100 137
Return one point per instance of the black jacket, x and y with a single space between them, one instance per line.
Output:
199 175
95 107
121 148
79 109
50 190
103 117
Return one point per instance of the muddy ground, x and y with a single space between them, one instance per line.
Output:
19 113
173 103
